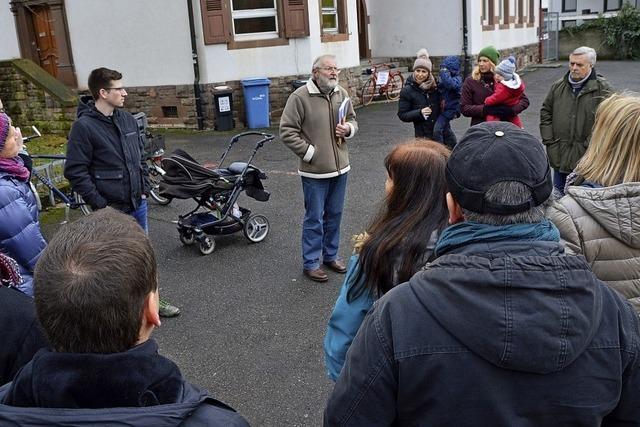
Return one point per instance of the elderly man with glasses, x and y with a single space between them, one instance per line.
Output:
316 124
105 154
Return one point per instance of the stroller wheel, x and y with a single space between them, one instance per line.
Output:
256 228
207 245
187 238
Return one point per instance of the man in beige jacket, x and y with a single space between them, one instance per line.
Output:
315 130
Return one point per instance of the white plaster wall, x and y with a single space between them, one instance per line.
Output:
400 28
594 5
9 47
500 39
146 40
219 64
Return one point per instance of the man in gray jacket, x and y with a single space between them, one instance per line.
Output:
568 112
96 295
316 124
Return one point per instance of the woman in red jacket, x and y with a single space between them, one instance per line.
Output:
480 85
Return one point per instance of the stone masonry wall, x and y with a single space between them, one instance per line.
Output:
27 104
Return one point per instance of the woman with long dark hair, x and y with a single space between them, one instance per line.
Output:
396 245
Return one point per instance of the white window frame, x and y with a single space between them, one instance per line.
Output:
331 11
255 13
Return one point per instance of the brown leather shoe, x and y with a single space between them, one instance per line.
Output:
337 266
317 275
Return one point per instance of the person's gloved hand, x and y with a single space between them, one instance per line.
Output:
503 111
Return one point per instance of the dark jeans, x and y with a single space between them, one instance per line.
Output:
323 203
442 132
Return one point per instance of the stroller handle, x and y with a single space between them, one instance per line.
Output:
266 136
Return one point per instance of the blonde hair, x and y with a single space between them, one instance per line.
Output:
477 75
613 155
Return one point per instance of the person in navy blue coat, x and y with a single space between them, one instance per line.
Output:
20 235
450 85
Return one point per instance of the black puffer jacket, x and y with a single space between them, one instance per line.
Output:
412 100
105 161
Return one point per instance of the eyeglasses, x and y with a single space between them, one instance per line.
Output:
331 69
119 89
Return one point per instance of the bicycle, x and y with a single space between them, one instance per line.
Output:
383 82
71 200
153 153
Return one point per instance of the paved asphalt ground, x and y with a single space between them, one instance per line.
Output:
252 326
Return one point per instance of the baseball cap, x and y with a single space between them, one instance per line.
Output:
494 152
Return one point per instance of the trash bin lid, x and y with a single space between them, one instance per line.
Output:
257 81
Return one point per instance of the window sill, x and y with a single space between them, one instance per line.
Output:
490 27
249 44
329 38
504 26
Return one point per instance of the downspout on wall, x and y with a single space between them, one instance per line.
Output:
196 68
465 39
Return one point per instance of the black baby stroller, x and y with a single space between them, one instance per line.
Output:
216 190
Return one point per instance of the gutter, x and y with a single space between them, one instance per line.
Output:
196 68
465 40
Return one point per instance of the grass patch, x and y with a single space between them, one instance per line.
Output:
47 144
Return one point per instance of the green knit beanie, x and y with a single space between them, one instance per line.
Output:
491 53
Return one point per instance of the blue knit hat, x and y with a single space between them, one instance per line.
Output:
5 124
506 68
451 63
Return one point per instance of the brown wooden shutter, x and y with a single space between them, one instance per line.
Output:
296 18
215 21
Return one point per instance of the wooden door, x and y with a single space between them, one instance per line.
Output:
45 39
363 29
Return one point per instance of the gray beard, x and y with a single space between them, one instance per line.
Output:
326 85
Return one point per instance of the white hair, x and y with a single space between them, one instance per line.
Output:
318 61
585 50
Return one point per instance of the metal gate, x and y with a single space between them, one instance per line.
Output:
550 29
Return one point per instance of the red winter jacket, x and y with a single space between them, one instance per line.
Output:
507 92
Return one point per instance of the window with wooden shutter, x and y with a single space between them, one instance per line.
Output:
215 21
296 18
333 20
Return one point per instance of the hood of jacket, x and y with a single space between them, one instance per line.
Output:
615 208
520 304
451 63
137 387
87 107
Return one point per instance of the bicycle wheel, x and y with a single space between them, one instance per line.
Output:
368 91
394 86
86 209
154 180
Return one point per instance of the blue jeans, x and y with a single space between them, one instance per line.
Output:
140 215
323 203
442 132
559 180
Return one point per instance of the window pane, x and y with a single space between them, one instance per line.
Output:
255 25
331 4
329 22
252 4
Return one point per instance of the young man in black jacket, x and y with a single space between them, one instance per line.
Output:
105 154
503 328
96 296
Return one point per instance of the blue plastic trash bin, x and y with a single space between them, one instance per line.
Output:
256 102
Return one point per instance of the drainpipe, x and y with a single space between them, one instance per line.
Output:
465 39
196 68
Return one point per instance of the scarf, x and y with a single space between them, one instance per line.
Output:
14 166
577 86
428 84
467 232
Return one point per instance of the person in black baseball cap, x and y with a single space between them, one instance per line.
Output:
502 310
497 152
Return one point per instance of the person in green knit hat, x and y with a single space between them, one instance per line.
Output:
480 85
